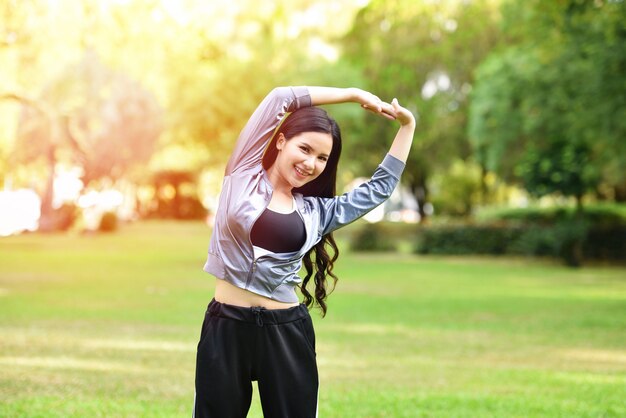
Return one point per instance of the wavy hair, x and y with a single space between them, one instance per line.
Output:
317 261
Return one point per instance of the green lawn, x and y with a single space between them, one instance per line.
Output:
106 326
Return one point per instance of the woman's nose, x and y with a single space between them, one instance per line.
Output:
309 163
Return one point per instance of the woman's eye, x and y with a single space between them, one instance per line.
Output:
304 149
324 159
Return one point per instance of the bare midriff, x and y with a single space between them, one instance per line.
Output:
233 295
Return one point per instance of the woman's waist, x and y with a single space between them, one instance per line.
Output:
228 293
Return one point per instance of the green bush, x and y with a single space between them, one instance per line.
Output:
457 190
571 240
466 239
606 243
534 240
595 214
571 235
371 237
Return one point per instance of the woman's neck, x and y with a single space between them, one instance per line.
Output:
278 184
282 199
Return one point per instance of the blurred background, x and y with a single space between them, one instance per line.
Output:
455 298
114 111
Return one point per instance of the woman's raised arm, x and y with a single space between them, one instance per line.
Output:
367 100
404 137
402 142
260 127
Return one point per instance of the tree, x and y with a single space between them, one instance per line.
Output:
43 119
207 63
113 123
97 118
549 109
424 54
217 79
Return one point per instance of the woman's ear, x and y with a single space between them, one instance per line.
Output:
280 141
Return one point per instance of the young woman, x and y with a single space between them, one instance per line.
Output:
277 210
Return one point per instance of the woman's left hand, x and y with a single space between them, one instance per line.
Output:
373 103
403 115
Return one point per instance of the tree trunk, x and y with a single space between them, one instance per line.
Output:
47 219
484 191
620 192
420 192
573 254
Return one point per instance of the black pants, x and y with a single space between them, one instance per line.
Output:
274 347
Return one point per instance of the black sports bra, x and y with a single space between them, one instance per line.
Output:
278 232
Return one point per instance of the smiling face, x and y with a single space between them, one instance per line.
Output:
301 159
303 155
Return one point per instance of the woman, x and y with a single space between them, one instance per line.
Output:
277 210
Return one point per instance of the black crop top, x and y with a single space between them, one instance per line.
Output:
278 232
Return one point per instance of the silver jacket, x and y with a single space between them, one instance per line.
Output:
247 191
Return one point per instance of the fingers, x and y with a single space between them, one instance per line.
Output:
372 102
397 107
389 112
382 108
404 116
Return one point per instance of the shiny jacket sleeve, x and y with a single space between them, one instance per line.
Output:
341 210
260 128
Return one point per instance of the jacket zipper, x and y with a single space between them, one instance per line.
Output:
254 260
251 273
306 233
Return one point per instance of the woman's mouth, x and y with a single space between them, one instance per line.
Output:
301 173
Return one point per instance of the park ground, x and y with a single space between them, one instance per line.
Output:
106 325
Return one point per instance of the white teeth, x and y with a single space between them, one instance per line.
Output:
301 172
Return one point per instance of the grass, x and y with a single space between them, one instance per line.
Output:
107 325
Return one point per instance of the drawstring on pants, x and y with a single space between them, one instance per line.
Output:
256 310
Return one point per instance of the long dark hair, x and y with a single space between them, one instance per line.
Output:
317 261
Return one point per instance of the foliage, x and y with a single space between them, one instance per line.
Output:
571 240
544 80
597 214
605 242
595 232
176 196
216 82
456 191
371 237
546 110
208 65
558 167
423 53
89 116
466 239
108 122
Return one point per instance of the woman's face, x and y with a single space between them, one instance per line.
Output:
302 158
